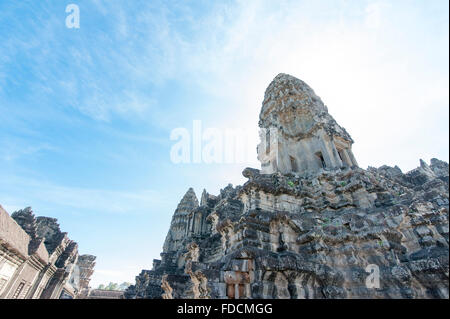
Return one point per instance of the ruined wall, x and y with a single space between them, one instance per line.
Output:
16 273
104 294
36 258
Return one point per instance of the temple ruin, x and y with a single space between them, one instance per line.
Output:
309 223
38 261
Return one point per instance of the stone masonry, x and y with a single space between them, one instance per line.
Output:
38 261
310 223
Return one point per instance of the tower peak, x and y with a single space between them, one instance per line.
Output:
188 202
297 132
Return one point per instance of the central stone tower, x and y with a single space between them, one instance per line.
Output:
310 224
297 133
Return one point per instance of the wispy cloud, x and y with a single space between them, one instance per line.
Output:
82 200
11 149
376 78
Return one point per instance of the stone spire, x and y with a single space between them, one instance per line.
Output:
204 198
297 133
181 224
188 203
286 91
208 199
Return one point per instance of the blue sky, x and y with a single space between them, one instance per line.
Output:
86 114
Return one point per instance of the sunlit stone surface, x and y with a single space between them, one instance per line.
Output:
310 222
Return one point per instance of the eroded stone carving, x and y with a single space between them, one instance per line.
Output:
298 134
309 222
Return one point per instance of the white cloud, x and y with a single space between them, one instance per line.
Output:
374 14
379 83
